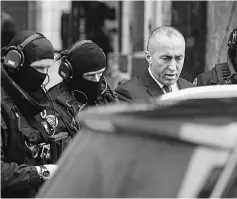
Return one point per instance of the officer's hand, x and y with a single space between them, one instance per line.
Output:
52 168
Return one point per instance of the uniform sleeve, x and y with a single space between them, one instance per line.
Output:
13 176
16 177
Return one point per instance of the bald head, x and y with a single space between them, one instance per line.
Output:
158 33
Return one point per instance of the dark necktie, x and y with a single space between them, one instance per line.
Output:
167 89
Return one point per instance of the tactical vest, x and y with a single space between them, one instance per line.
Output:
33 133
30 140
16 130
221 72
67 104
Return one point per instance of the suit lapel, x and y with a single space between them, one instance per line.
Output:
152 88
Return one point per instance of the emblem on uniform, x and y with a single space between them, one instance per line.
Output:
43 114
52 120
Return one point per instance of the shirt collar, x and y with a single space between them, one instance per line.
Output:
160 84
174 86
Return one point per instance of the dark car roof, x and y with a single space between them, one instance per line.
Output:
150 150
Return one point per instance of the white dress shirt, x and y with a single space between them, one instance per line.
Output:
174 87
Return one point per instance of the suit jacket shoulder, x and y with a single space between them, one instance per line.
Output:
126 90
143 89
139 89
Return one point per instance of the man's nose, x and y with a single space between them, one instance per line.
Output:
45 70
97 78
172 65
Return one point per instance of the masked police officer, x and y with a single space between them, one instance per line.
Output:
33 131
82 68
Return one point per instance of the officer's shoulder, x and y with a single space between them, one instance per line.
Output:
204 77
209 73
57 89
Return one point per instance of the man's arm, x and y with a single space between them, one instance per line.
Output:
15 177
12 175
18 177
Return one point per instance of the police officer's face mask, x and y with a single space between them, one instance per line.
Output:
43 66
31 77
90 88
91 82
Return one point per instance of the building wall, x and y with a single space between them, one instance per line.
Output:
41 16
126 34
137 26
32 15
49 20
222 18
157 13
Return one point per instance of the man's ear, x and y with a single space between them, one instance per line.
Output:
148 57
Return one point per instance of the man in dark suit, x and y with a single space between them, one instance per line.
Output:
165 55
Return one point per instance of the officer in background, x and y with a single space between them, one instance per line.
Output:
222 73
82 68
33 131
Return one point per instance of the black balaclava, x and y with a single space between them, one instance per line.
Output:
87 58
27 77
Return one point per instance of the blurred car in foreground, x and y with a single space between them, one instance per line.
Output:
184 145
